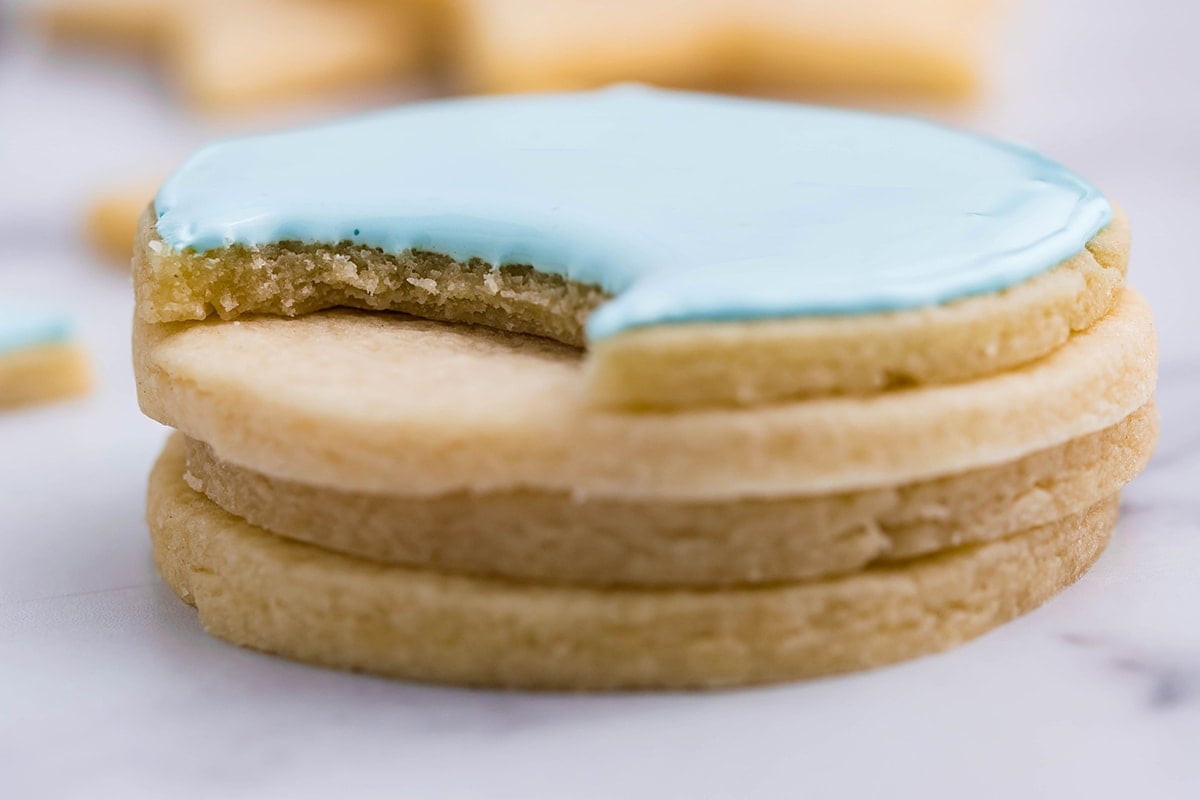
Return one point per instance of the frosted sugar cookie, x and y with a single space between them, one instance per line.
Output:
388 404
933 47
555 537
706 250
39 362
296 600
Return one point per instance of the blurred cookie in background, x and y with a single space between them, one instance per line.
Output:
224 54
919 47
122 24
229 54
111 219
40 361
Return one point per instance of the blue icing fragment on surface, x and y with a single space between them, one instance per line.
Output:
22 328
687 207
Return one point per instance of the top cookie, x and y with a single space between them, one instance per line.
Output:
706 249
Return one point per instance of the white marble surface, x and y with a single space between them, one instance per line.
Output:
108 687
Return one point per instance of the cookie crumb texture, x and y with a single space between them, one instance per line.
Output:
259 590
666 366
291 279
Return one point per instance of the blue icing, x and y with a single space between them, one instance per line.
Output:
22 328
686 207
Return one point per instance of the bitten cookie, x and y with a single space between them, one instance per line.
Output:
39 361
824 252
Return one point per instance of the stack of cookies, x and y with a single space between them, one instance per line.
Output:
632 388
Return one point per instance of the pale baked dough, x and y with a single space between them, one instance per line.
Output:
236 54
296 600
233 54
111 220
388 404
664 366
42 374
553 537
923 46
136 25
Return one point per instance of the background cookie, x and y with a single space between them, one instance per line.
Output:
225 55
111 220
870 48
928 46
126 24
220 58
39 361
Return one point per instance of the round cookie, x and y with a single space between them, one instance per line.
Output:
439 408
556 538
666 366
825 252
296 600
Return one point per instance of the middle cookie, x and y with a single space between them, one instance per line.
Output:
551 536
384 404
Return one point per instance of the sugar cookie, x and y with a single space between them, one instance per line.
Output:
296 600
824 252
39 362
220 57
932 47
382 403
232 54
554 537
112 218
136 25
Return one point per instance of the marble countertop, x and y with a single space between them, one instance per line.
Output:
109 688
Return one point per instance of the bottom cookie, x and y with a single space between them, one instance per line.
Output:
42 373
258 590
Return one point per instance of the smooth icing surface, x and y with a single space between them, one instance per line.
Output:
687 207
22 328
